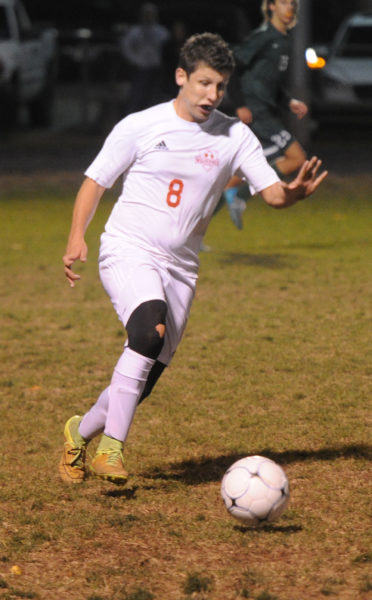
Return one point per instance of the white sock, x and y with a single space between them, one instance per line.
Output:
93 422
114 410
127 384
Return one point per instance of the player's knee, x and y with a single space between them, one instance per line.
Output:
146 328
147 342
296 154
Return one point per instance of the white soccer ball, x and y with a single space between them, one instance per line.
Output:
255 490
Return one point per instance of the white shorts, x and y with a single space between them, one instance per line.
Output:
135 277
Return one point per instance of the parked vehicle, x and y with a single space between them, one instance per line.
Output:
342 81
28 66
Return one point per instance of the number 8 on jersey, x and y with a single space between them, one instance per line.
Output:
174 192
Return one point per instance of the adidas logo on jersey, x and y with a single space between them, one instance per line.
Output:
161 146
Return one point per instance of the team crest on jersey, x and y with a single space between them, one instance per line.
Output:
208 159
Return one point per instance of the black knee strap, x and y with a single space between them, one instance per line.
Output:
141 328
154 375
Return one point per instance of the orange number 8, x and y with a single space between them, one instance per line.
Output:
174 192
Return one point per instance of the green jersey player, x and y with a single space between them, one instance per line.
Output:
258 93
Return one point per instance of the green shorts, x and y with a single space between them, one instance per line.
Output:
274 137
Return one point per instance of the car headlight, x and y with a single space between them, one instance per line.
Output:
314 61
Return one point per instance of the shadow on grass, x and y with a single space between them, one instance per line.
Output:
282 260
269 528
207 469
120 492
270 261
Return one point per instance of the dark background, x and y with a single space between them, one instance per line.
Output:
326 15
344 144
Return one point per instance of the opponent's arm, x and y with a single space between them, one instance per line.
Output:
245 114
282 195
298 108
86 203
245 55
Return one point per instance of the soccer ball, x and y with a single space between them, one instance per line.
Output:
255 490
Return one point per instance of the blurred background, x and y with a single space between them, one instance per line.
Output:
79 73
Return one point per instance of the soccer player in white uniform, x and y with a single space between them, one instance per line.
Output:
175 159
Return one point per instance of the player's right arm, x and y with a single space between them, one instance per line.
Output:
237 100
298 108
87 200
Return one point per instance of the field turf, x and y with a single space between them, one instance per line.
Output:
276 360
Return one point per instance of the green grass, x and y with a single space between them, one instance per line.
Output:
276 360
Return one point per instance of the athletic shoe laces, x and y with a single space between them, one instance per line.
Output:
80 456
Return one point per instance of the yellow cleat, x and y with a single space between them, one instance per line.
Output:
72 463
108 465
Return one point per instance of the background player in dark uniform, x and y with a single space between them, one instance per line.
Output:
258 93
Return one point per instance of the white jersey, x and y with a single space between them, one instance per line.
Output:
174 173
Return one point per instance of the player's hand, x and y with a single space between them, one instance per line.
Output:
308 178
74 251
244 114
298 108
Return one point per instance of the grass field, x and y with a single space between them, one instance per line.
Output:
276 360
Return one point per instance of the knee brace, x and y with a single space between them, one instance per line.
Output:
144 335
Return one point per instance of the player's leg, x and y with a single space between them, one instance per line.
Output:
179 288
72 464
136 374
282 150
136 291
133 379
95 420
78 432
234 182
235 204
127 282
157 369
292 159
146 331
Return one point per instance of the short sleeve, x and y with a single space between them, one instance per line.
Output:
116 156
250 162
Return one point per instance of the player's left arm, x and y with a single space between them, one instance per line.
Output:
282 195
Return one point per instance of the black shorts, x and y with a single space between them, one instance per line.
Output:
274 137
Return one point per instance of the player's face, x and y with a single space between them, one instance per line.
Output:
200 92
283 13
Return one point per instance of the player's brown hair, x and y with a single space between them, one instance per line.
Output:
209 48
267 12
